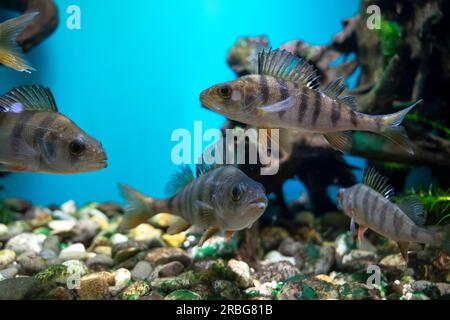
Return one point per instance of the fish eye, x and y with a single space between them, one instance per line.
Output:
77 147
236 193
225 91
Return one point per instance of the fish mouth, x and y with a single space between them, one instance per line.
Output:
260 203
97 166
205 100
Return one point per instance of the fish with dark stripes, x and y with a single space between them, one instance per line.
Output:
220 198
10 53
369 204
284 94
35 137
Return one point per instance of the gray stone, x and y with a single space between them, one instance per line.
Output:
8 273
85 230
358 259
17 288
160 256
141 271
76 267
241 272
100 262
171 269
6 257
50 248
26 242
31 263
76 251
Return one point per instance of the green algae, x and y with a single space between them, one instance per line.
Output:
136 291
53 273
182 294
217 249
6 215
391 37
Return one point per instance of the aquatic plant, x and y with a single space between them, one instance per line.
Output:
436 203
6 215
391 37
435 124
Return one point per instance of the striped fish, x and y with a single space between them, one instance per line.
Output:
10 52
218 199
35 137
284 95
369 205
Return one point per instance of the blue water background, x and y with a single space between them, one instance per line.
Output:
133 74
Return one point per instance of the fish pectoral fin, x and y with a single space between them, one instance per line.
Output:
206 213
279 106
404 246
178 225
361 230
229 235
341 141
352 226
208 234
279 138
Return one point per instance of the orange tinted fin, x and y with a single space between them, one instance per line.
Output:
361 231
404 249
208 234
229 235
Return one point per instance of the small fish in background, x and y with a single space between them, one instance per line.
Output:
10 52
35 137
284 95
369 205
219 199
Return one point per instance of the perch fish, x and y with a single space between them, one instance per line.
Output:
10 52
369 205
35 137
219 199
284 95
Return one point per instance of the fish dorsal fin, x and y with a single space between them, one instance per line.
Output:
378 182
413 208
335 88
179 179
203 168
283 65
349 101
29 97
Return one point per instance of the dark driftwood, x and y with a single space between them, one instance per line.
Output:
43 25
417 68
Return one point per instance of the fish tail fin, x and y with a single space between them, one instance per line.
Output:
10 52
394 131
139 207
